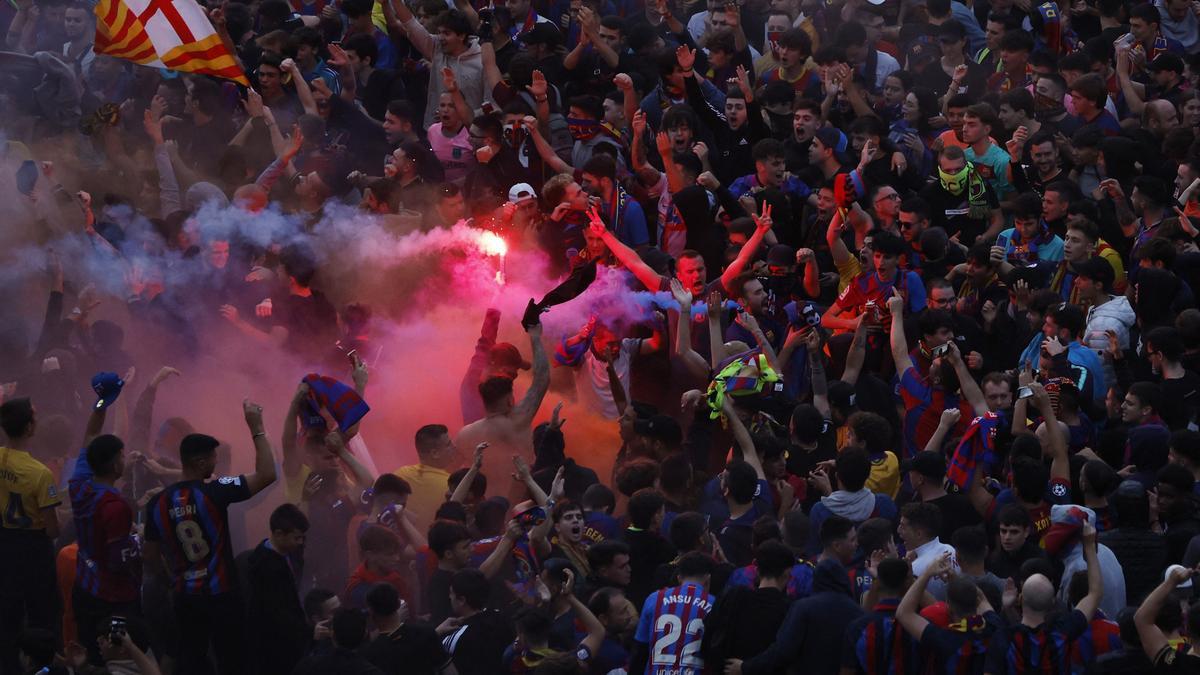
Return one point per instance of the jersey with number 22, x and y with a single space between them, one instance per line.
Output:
672 624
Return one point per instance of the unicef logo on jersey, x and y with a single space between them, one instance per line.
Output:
229 480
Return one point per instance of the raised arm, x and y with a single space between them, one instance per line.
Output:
857 355
899 342
346 78
450 86
464 486
264 461
625 255
544 150
291 456
335 444
907 612
816 365
303 92
1060 462
1154 641
762 225
716 343
629 100
1090 602
592 627
692 361
948 420
742 437
417 35
495 561
747 321
528 407
970 388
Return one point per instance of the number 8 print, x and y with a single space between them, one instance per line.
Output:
191 538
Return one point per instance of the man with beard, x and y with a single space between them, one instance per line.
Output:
948 385
620 212
1043 159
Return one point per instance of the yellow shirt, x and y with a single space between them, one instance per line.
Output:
26 488
429 486
885 475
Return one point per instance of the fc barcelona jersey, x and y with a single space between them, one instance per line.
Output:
190 521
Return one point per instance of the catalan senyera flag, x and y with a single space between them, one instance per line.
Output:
171 34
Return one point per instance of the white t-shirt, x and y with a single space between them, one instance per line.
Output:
591 379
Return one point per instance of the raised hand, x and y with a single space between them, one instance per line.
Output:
623 82
686 58
449 80
557 422
763 220
538 87
715 304
895 304
162 374
337 56
682 295
253 414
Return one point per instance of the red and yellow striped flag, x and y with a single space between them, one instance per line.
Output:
171 34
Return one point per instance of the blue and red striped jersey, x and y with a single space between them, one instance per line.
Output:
1044 650
109 562
923 407
877 644
672 625
1102 636
799 584
962 649
190 520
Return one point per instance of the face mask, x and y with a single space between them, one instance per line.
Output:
954 183
583 129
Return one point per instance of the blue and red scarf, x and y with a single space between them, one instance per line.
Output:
977 448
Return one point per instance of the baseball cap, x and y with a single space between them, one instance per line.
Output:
832 138
781 255
507 354
842 395
659 427
1166 61
541 34
927 463
1096 269
107 387
521 192
1172 568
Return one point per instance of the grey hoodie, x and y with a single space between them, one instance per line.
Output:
857 506
1115 315
467 67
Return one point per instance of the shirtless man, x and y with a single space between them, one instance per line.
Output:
506 425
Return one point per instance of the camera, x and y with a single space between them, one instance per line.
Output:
806 317
940 350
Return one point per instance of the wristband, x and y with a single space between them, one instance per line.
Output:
256 435
542 99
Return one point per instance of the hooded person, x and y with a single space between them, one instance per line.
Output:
811 626
1064 543
1094 279
851 500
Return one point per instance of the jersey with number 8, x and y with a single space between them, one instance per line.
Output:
672 625
190 521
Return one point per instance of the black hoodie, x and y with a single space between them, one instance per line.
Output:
813 629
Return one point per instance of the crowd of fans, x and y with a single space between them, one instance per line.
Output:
904 369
